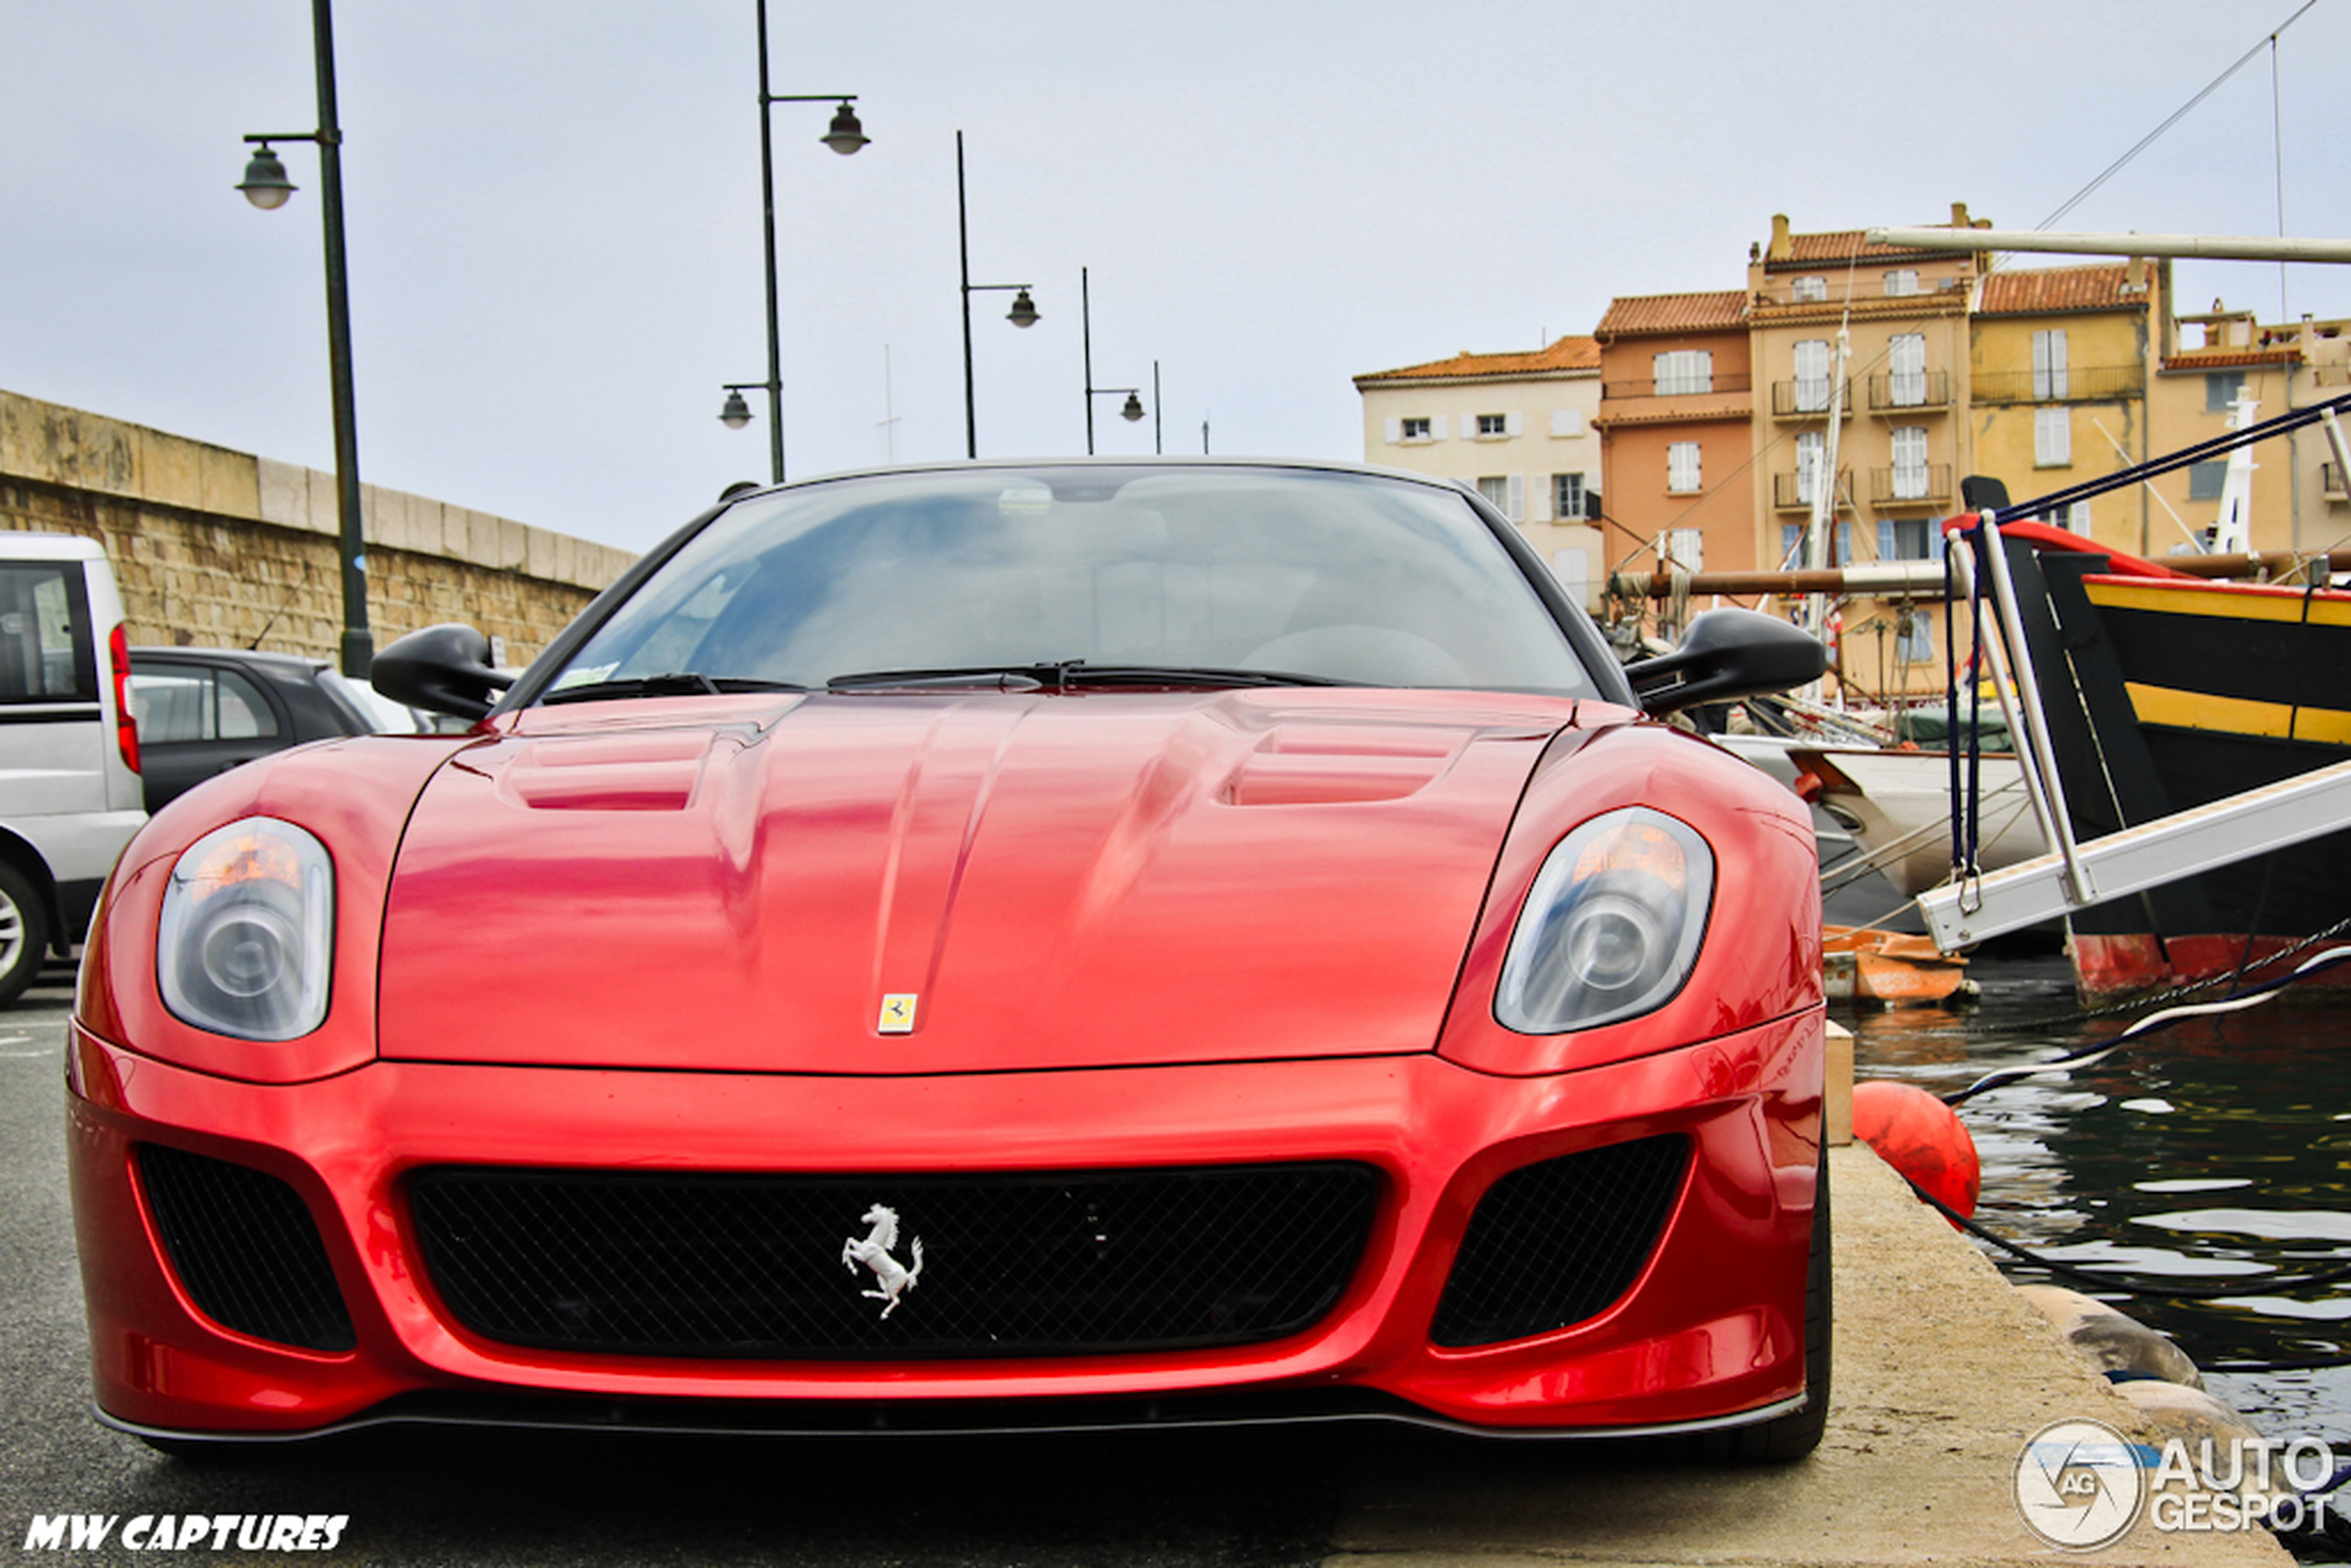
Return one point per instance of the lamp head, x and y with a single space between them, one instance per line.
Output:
264 184
734 413
1133 409
1023 311
845 135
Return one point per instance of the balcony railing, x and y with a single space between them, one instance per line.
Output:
1805 399
1930 481
1671 387
1896 392
2331 482
2095 383
1793 492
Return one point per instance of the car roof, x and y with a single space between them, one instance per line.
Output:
15 546
1175 461
253 657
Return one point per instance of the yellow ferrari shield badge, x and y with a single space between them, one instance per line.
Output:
898 1014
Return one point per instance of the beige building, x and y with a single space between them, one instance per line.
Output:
2298 498
1517 427
1900 443
2060 360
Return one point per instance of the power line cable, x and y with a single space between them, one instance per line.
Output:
2144 143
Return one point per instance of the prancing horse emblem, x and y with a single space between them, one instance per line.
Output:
874 1252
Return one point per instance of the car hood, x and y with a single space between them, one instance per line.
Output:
922 883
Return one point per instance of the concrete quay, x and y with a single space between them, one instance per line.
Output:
1943 1371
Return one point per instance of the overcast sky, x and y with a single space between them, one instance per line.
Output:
553 209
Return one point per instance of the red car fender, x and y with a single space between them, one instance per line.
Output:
1761 958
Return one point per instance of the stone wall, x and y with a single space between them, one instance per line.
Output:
216 548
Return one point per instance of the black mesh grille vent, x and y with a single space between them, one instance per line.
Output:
1555 1243
246 1249
753 1266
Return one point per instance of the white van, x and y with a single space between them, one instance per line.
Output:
69 791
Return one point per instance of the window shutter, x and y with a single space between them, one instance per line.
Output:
1516 510
2052 438
1574 568
1513 424
1886 545
1436 428
1395 432
1567 421
1542 499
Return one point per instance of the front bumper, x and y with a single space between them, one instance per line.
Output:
1710 1333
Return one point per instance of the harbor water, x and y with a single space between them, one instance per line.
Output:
2216 1153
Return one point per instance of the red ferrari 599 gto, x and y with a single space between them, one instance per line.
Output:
977 946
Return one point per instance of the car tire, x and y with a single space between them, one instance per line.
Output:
24 933
1791 1437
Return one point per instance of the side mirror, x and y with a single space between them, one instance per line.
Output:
443 670
1727 654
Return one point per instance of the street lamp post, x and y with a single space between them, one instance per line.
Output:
1023 314
843 136
1132 409
266 187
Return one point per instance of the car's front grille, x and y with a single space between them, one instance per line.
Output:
766 1267
246 1248
1554 1243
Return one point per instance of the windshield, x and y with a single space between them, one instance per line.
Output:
1327 576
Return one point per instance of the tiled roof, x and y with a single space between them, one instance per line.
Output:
1571 352
1843 244
1671 411
2041 291
2231 358
1719 311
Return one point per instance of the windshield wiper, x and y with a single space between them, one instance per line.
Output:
1083 673
1065 674
1010 677
680 683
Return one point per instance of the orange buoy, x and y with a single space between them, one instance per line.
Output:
1922 1138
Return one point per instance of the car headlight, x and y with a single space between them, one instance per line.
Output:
247 937
1612 926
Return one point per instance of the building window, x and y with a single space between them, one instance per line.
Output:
2052 438
2073 518
1506 493
1682 467
1906 361
1567 421
1901 282
1685 547
1909 539
2206 480
1917 646
1812 447
1807 291
1685 371
2221 389
2048 366
1567 497
1493 424
1791 545
1414 429
1811 375
1910 463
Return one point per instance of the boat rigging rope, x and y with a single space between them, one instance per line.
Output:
2176 993
2091 1274
2088 1056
